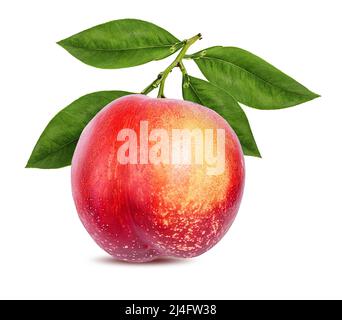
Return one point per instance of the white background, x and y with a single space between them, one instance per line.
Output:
286 241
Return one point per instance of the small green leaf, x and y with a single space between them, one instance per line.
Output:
207 94
250 79
121 44
56 145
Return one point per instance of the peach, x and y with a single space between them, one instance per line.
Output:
157 177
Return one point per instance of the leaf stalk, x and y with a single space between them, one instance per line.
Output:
160 80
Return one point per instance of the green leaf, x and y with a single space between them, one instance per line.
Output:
207 94
250 79
57 143
121 44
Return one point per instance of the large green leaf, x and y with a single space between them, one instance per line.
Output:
209 95
121 44
56 145
250 79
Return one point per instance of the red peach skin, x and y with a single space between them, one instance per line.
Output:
140 212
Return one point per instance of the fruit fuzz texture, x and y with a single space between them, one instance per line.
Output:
142 211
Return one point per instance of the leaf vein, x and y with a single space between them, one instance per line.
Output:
123 49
